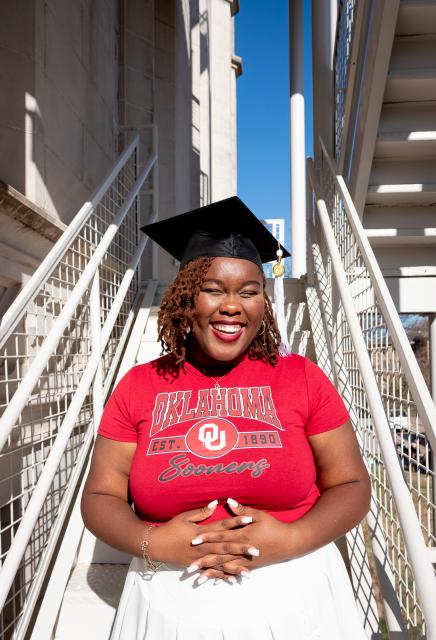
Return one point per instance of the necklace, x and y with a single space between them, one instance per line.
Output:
217 381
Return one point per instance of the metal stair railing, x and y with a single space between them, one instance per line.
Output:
60 344
396 417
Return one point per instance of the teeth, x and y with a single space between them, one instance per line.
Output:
227 328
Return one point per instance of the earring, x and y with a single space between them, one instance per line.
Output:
263 325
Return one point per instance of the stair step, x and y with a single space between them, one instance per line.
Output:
409 85
402 181
391 236
90 601
391 194
405 144
399 217
407 117
416 17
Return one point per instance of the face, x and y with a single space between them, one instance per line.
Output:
228 313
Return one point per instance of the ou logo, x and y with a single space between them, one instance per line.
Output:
212 438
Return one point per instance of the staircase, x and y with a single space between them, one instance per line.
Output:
86 316
399 214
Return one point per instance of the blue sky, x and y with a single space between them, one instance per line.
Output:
262 34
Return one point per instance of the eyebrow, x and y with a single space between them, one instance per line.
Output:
244 284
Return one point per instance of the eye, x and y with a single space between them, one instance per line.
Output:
211 291
248 293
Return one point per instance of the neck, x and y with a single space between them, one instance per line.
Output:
212 368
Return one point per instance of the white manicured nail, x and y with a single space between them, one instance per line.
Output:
202 580
245 574
246 519
192 568
196 541
253 551
232 580
232 503
212 504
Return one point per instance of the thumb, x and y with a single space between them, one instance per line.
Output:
197 515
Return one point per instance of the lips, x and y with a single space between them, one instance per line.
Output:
228 332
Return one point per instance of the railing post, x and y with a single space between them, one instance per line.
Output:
97 387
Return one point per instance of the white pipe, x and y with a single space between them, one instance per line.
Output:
417 550
21 396
19 306
33 509
298 150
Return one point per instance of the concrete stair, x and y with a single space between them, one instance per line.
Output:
400 209
91 598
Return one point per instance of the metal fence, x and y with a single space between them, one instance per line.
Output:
110 219
346 15
408 408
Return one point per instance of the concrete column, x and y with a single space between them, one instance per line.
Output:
324 19
298 151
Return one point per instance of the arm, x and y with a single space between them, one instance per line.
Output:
345 493
107 514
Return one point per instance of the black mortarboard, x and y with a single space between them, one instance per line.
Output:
222 229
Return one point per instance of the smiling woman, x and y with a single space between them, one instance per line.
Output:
240 462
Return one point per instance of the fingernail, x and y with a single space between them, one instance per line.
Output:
253 551
245 574
192 568
246 519
232 503
231 579
212 504
202 580
196 541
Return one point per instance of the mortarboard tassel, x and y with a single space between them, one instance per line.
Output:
279 299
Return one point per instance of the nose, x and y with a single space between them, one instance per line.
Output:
230 305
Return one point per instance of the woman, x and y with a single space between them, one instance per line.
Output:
241 463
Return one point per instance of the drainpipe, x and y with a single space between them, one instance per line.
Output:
298 148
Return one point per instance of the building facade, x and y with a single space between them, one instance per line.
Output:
79 81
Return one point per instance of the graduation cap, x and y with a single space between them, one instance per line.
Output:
225 229
222 229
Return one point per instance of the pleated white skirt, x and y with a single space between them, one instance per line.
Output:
303 599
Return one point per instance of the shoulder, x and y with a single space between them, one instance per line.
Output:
292 363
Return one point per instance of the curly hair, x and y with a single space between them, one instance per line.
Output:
177 312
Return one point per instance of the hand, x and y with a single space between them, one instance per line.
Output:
173 541
266 540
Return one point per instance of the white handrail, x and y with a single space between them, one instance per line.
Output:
412 372
413 538
27 524
20 398
18 307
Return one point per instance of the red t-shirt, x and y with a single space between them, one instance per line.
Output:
247 439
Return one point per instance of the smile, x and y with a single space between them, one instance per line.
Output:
228 328
227 332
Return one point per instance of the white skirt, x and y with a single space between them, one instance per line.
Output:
304 599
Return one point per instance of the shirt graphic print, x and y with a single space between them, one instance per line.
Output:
197 441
